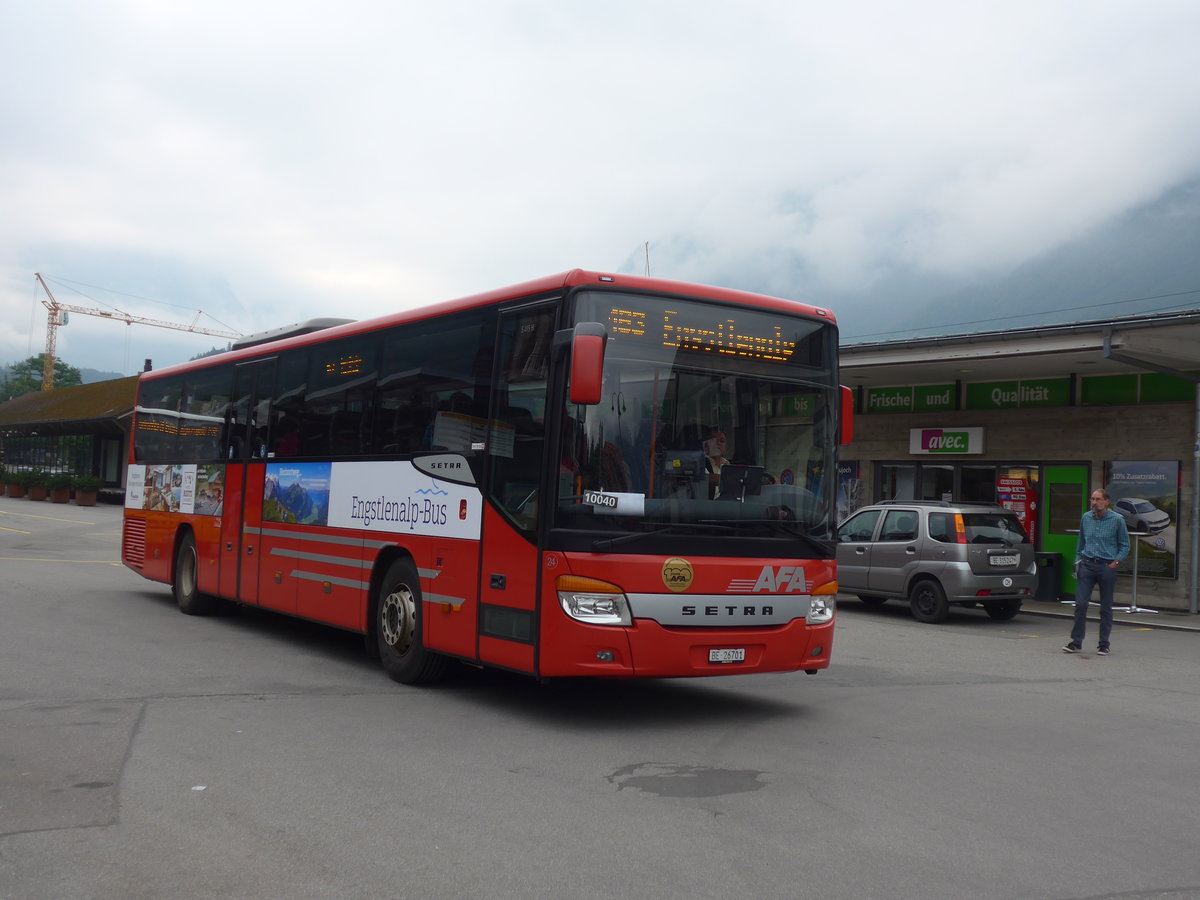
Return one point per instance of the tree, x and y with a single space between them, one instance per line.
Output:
23 377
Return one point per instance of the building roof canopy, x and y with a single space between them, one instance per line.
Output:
96 407
1168 341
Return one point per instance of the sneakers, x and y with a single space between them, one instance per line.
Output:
1072 648
1102 651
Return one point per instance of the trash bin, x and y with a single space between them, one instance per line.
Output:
1049 566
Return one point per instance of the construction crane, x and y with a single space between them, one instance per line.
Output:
57 316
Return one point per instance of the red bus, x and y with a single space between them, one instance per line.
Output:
584 475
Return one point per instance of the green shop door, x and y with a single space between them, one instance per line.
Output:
1064 499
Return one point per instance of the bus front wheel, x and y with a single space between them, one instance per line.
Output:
398 616
187 595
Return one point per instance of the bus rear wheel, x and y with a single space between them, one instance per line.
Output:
187 595
398 615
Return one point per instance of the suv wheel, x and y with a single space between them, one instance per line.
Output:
928 602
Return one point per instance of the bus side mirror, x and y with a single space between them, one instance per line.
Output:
846 422
587 362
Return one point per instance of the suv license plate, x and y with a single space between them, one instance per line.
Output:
727 655
1003 560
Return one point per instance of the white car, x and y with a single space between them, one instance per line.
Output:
1142 515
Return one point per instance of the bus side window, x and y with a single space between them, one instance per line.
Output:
287 405
341 396
204 408
157 438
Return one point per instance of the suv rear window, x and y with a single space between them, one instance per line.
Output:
980 528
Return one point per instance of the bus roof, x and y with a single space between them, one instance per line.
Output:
308 326
252 346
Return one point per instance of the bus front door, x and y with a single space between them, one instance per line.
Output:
508 571
241 525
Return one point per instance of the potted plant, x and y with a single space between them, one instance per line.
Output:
16 483
86 488
59 486
37 485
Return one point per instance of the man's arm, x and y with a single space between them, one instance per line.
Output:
1122 538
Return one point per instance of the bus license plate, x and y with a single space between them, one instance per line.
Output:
1003 560
727 655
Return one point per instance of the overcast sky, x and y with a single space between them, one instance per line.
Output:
269 162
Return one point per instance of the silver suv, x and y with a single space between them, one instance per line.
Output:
934 553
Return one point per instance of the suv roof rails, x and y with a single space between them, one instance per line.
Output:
942 503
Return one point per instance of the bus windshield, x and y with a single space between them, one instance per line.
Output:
714 420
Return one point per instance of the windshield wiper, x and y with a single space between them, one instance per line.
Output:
601 543
825 548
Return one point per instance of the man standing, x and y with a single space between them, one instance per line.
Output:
1103 543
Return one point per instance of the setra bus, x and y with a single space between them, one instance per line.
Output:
583 475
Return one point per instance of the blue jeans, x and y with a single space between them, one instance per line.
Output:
1090 575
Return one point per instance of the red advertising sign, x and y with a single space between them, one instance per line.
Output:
1020 496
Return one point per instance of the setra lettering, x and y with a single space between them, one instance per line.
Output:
732 609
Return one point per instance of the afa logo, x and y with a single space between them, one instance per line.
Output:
677 574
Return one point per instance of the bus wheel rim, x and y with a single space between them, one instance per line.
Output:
397 619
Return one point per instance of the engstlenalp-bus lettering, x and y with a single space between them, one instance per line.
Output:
406 512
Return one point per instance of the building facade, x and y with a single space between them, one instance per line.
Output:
1035 419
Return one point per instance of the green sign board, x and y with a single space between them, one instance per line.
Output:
1166 388
802 405
1023 394
1101 390
934 397
922 398
881 400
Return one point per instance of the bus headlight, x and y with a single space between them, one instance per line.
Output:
820 609
593 601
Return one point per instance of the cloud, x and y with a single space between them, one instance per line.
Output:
273 161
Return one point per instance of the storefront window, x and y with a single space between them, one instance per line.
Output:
979 484
937 483
896 482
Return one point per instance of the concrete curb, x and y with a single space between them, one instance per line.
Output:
1169 621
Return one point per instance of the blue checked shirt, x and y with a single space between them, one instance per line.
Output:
1103 538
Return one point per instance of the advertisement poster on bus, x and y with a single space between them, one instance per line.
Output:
190 489
387 496
296 493
1018 495
1146 494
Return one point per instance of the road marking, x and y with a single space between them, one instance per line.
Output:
46 518
14 530
91 562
